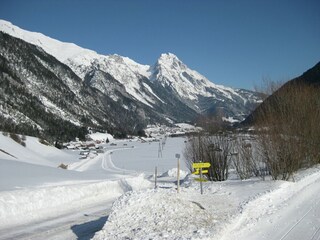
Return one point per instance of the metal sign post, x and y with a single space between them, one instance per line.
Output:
198 170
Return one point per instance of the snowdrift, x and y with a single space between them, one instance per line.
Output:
228 210
23 206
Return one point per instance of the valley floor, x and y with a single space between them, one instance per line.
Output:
114 192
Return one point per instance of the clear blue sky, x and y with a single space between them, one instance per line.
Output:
236 43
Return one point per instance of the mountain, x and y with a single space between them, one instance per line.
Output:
277 100
198 92
84 88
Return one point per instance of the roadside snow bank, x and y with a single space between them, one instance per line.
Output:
23 206
222 212
157 214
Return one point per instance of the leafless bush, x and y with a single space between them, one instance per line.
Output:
289 130
268 86
194 151
246 165
214 149
63 166
44 142
17 139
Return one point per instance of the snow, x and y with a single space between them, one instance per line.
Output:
188 83
33 191
229 119
168 70
61 50
97 136
251 209
81 61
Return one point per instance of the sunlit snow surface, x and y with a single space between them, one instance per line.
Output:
251 209
33 189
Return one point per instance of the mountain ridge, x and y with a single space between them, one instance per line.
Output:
165 92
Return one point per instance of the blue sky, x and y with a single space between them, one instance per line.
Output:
237 43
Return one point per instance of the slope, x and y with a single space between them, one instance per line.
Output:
311 78
42 96
169 87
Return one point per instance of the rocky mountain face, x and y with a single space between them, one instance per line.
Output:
56 88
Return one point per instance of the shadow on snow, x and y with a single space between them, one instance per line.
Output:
86 231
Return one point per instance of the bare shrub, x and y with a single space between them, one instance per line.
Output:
218 152
213 149
17 139
243 160
289 131
44 142
63 166
268 86
193 151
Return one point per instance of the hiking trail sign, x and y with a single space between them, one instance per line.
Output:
199 171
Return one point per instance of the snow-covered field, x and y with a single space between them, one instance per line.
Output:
115 191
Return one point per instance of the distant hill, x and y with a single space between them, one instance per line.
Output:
310 78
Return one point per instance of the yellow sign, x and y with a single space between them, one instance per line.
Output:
201 165
201 180
197 172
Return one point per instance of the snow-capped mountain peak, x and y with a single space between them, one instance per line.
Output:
189 84
171 60
60 50
168 81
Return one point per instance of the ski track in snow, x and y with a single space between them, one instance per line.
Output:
105 160
108 165
291 212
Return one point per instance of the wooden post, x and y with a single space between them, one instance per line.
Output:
155 177
178 176
201 189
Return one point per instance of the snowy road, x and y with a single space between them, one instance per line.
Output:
79 225
101 161
74 209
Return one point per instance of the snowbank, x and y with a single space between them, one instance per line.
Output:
227 210
23 206
157 214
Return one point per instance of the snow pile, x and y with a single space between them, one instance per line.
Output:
157 214
174 173
227 210
22 206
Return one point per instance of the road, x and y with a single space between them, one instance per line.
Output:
77 225
73 225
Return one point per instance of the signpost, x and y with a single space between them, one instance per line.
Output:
178 172
198 171
201 165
